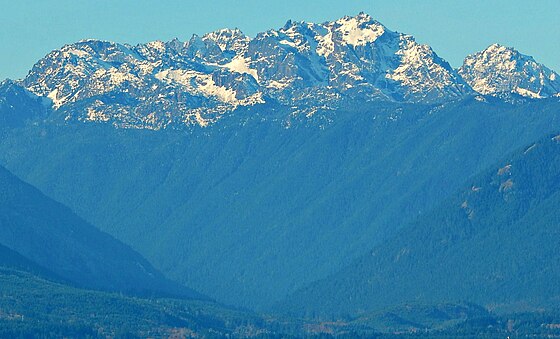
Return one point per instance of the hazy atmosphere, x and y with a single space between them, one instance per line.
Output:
31 29
280 169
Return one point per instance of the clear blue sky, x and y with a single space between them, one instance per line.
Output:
29 29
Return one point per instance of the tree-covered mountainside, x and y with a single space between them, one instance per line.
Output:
257 206
13 260
494 243
32 307
52 236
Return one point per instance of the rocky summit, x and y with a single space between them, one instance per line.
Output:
501 70
305 66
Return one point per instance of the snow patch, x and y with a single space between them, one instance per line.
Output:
288 43
156 45
202 83
77 52
527 93
278 85
182 77
57 102
207 85
480 98
356 32
326 45
93 115
240 65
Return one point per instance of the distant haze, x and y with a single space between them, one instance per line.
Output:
31 29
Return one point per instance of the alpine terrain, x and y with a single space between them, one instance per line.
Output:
331 171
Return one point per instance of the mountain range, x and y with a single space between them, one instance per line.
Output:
306 66
247 211
287 172
494 243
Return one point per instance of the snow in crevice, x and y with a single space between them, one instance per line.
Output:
326 45
56 99
197 82
240 65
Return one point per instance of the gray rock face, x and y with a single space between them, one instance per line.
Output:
304 65
500 71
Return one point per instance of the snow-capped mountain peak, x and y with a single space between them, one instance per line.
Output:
229 39
301 65
359 30
499 70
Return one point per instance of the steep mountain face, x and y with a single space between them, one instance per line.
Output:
354 56
50 235
493 243
247 210
304 65
10 259
500 70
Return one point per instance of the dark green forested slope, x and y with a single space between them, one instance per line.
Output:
32 307
49 234
248 210
495 243
13 260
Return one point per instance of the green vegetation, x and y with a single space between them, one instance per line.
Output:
12 259
33 307
248 211
494 243
52 236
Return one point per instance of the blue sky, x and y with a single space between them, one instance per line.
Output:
29 29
